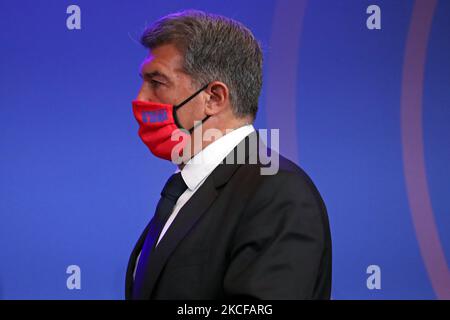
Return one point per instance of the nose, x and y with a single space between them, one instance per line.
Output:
144 93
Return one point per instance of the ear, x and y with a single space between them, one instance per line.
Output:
219 97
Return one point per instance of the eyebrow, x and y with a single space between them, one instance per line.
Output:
153 74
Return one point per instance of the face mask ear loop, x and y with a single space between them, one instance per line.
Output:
175 108
198 124
191 97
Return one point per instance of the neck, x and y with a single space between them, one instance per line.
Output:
199 142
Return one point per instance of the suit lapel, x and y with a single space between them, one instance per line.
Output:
132 261
185 220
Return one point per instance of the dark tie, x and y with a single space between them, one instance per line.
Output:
172 190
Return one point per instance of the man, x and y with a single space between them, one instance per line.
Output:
221 230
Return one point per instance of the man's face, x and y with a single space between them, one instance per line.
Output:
165 82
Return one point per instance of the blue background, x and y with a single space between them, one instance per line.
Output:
78 186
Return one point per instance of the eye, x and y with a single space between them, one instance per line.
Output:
155 84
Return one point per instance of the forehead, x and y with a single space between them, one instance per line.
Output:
165 58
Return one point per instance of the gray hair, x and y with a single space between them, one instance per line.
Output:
215 48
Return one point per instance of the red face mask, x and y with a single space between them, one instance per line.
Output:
158 122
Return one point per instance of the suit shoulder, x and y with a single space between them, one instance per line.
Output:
289 171
284 177
295 172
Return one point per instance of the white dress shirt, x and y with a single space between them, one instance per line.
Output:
200 167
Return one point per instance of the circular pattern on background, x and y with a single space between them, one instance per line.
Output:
413 151
282 77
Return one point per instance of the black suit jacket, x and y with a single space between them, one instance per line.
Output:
244 235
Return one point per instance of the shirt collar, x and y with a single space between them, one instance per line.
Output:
203 163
